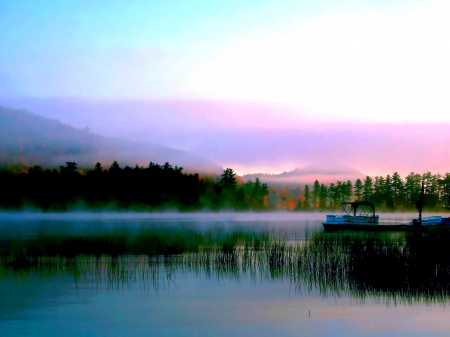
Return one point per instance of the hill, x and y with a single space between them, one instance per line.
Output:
30 139
308 174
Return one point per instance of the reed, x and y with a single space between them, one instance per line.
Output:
394 269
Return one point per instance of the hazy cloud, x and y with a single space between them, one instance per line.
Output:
225 134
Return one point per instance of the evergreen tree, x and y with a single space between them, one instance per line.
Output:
257 188
398 190
323 197
167 167
388 196
378 189
427 180
228 180
431 189
36 169
413 187
98 168
368 189
445 188
315 193
71 166
334 197
115 167
307 198
434 187
340 191
358 189
264 190
348 190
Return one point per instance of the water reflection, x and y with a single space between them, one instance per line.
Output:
392 268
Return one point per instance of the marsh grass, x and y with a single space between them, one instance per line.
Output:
390 268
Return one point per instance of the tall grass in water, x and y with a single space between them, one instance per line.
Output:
404 268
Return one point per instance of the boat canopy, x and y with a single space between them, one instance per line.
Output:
355 204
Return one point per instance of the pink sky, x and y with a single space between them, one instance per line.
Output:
255 85
256 138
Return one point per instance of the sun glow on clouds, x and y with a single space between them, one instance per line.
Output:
259 85
369 65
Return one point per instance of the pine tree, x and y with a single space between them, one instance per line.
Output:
307 199
256 188
412 188
398 190
348 190
340 191
323 197
264 190
358 189
115 167
378 187
98 168
315 193
368 189
387 193
228 180
431 189
334 198
445 188
71 167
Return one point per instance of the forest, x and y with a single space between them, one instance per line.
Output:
390 193
164 187
155 187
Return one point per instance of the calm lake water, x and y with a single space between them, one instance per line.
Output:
217 294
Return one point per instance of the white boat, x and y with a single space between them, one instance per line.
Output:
360 215
353 213
434 220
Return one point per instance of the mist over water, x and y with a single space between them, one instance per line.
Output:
191 216
190 274
93 223
22 224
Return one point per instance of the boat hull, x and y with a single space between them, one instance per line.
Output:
380 228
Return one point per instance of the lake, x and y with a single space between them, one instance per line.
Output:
242 274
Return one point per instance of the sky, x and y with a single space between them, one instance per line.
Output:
248 71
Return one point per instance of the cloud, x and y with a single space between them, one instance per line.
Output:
345 61
255 138
367 64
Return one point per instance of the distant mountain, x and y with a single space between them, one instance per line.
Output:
29 139
324 174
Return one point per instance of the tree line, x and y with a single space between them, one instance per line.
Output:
155 187
160 187
389 193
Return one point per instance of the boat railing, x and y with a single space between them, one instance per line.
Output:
351 219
